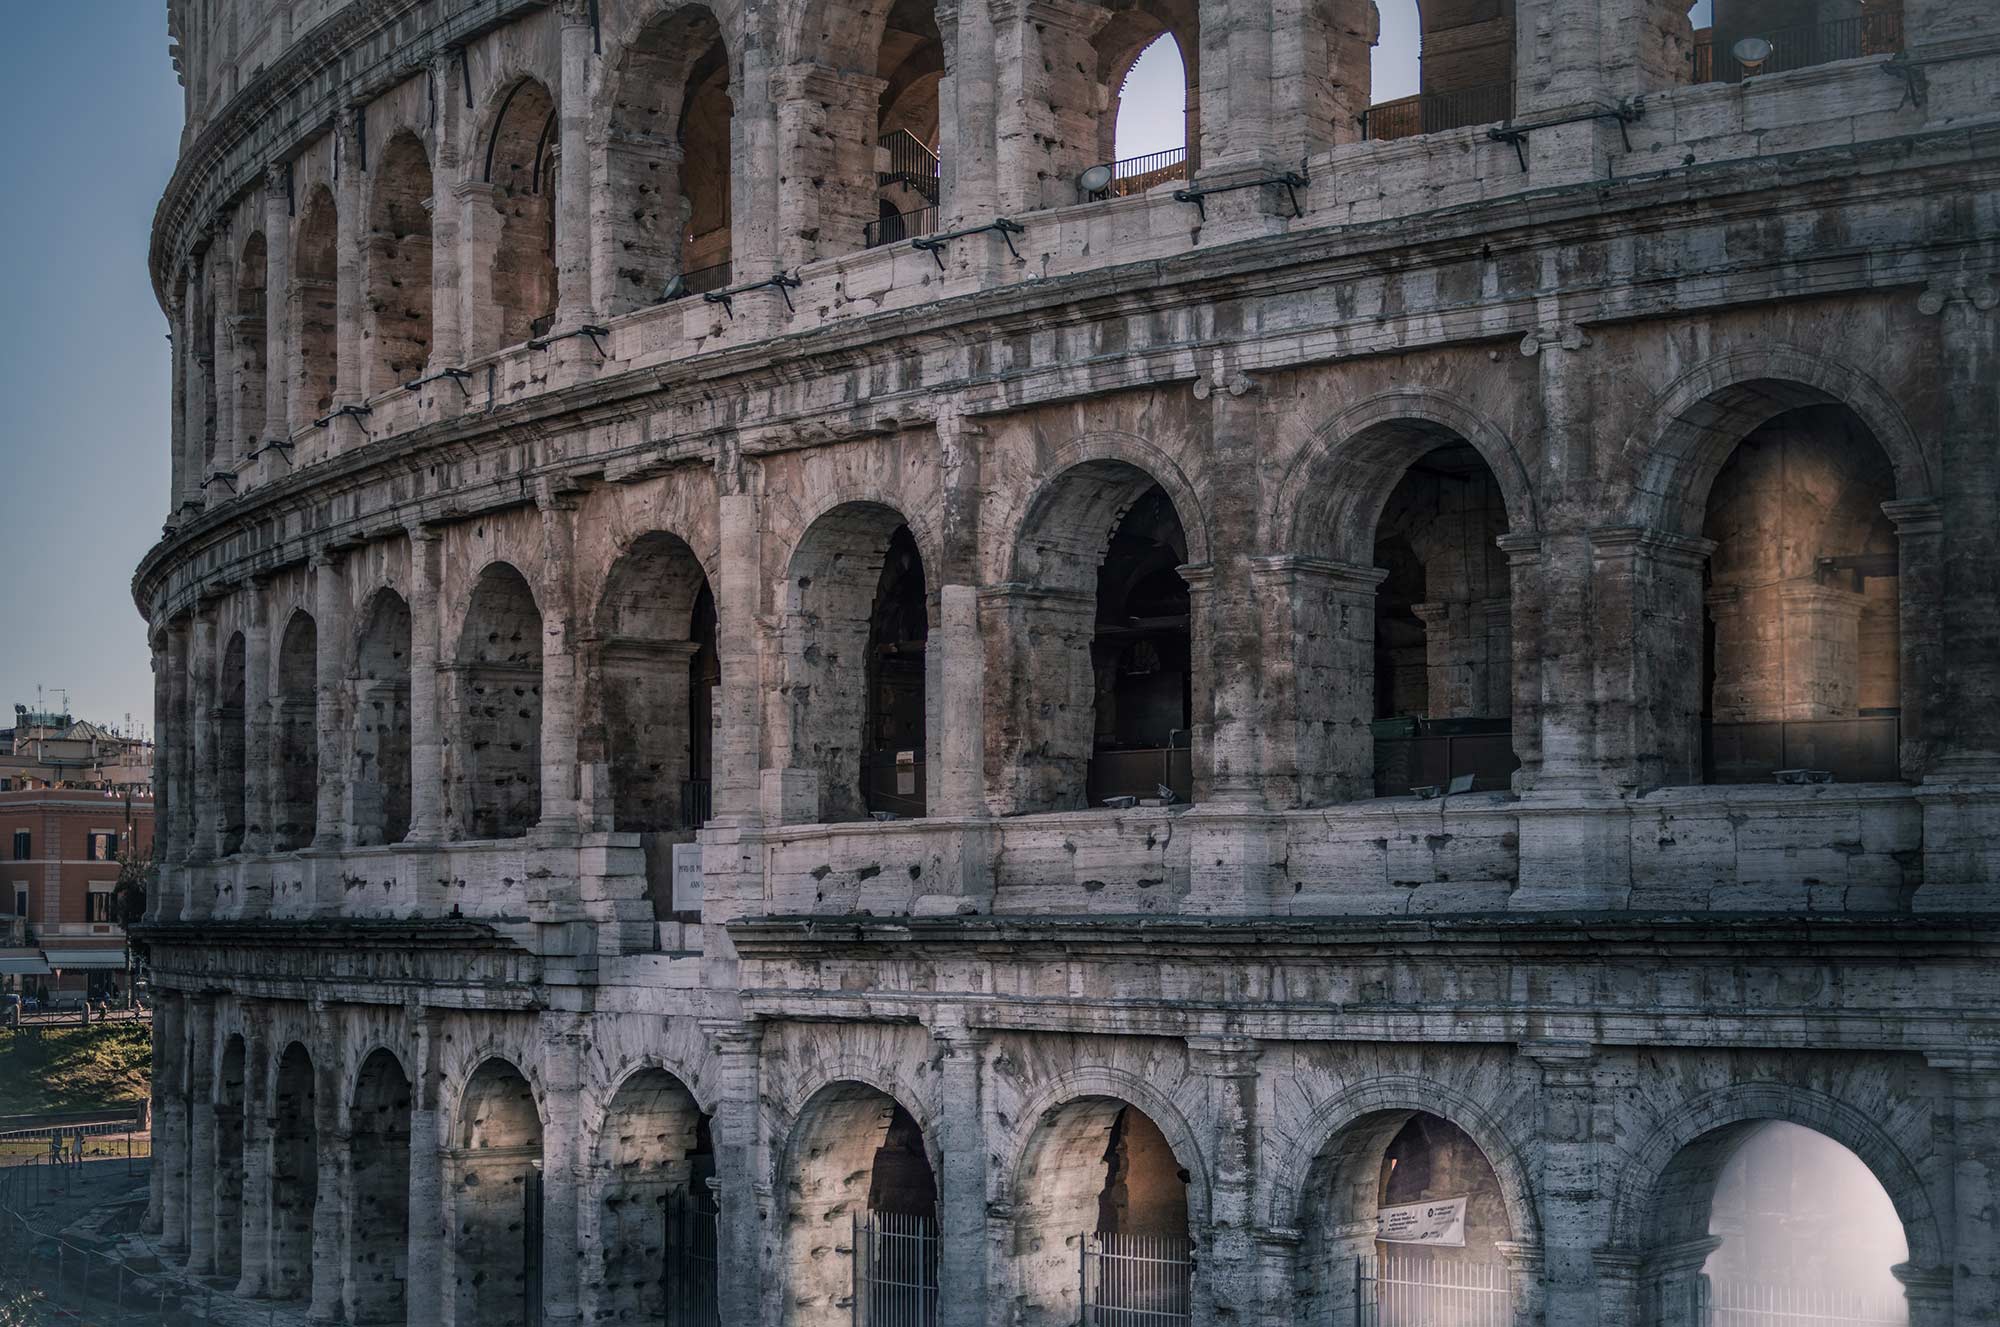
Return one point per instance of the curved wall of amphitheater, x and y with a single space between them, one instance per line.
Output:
896 762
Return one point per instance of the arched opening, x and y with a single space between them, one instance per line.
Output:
247 338
496 1201
495 763
315 308
379 1232
908 176
1151 117
1441 64
205 344
856 614
1443 634
294 1175
521 167
1801 659
656 1210
397 328
1403 1224
860 1180
669 159
1771 1222
230 739
1101 1220
229 1158
380 782
1801 33
295 735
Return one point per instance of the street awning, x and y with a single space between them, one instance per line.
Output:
23 965
85 960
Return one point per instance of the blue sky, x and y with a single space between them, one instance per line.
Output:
93 114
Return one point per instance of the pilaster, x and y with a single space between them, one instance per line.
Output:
1229 1275
573 176
330 635
426 733
963 1252
278 371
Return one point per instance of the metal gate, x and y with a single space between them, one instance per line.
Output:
1391 1291
688 1272
1136 1280
895 1270
1750 1304
531 1247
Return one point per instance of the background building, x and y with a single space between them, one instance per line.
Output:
1036 590
65 850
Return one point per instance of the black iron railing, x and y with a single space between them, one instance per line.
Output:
1860 750
1877 31
697 803
899 226
704 279
1434 112
911 164
1135 175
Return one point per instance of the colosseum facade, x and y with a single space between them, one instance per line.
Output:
771 691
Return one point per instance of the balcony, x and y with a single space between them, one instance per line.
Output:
1434 112
1135 175
1879 31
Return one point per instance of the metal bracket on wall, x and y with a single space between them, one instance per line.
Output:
1006 227
1626 112
783 283
456 375
1291 179
591 330
351 411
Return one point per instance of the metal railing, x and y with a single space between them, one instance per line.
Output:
912 164
899 226
1435 759
704 279
1402 1291
1139 772
1750 1304
895 1270
1860 750
1876 31
697 803
1434 112
689 1275
1135 175
1136 1280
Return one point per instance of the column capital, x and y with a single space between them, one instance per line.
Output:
1329 573
1914 516
1978 292
1224 1056
1632 541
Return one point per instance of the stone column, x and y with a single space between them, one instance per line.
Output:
1045 122
201 1135
423 1285
573 176
177 341
1673 1277
1646 606
1317 620
1279 82
958 733
256 1274
753 166
258 768
740 706
163 703
205 718
559 675
826 132
194 345
1564 1269
1920 629
447 217
330 637
479 224
1974 1086
177 756
426 734
170 1120
1227 1289
741 1188
967 100
336 1154
1525 609
222 291
964 1254
1620 1276
278 372
564 1043
350 274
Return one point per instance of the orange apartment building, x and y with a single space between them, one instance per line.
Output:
60 853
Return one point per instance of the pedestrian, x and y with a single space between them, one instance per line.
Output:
76 1146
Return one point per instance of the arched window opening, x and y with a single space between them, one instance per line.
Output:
1737 39
495 1174
1443 639
247 340
1404 1225
853 660
669 160
1771 1222
379 784
1141 656
1101 1220
294 1176
204 354
1444 64
229 1159
1151 115
231 783
294 803
315 309
397 328
908 177
495 763
379 1236
655 1208
1803 641
861 1185
521 167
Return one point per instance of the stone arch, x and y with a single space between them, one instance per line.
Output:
1332 495
294 1172
517 163
379 781
1129 32
379 1180
1128 449
1093 1081
1697 420
232 744
295 719
396 328
653 1155
493 767
494 1176
315 307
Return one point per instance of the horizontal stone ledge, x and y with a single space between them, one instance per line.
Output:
329 933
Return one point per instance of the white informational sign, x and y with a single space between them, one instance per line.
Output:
1441 1222
687 877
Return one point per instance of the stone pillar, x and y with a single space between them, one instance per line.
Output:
1647 626
739 596
201 1135
826 133
1620 1277
424 1279
278 372
336 1157
958 732
170 1120
964 1254
565 1041
330 636
967 100
741 1190
1227 1289
1920 630
1928 1292
1974 1086
205 718
479 225
177 756
1564 1269
177 342
260 769
194 346
753 166
1525 610
156 902
1045 122
573 176
447 217
559 673
1673 1277
1317 621
1280 82
222 358
350 274
426 734
256 1277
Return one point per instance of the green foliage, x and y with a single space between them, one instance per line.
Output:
100 1067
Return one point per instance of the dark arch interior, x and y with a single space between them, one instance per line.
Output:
294 802
399 265
378 1249
294 1175
229 1110
497 1200
498 675
892 758
657 1210
1141 657
380 726
519 166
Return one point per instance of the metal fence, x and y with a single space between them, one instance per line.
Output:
1434 112
1391 1290
1878 31
1860 750
702 280
1435 759
697 803
1136 1280
912 164
899 226
688 1278
895 1270
1135 175
1750 1304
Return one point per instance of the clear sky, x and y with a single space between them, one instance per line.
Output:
93 115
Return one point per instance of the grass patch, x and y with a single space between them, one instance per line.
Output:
101 1067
